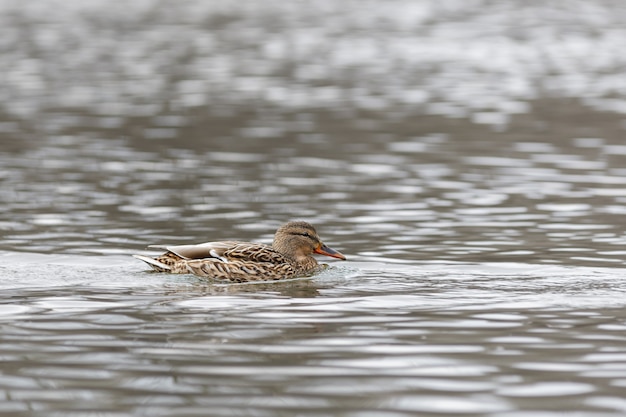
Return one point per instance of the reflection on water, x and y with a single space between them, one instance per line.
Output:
464 340
467 156
543 202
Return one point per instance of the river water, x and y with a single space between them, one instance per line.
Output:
468 157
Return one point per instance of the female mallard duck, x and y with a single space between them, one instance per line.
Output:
289 256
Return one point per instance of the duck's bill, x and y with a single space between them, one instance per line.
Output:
325 250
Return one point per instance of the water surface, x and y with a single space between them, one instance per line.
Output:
467 157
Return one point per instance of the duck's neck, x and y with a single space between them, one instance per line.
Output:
306 263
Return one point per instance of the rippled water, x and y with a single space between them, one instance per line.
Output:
467 156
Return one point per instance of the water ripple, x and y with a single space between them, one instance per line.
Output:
466 156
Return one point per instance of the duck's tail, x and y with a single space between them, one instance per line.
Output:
154 264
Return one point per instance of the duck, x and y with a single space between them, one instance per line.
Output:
289 256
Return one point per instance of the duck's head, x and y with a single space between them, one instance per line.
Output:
299 240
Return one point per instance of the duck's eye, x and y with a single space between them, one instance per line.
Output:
306 235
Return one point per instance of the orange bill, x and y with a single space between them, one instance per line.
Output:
325 250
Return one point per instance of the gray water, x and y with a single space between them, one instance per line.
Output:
468 157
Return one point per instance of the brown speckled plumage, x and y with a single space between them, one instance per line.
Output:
289 256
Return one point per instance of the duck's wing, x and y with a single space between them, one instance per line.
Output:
215 250
255 253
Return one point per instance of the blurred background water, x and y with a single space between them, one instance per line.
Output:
467 156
